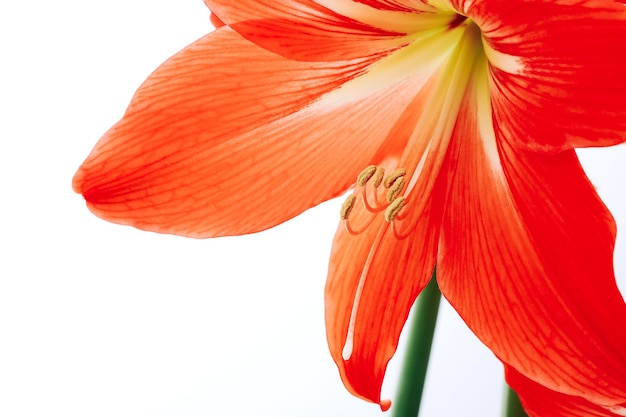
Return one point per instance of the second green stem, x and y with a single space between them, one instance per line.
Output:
409 396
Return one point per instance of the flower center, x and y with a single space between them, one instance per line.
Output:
399 194
458 19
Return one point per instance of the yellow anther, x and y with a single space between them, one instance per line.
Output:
365 175
347 206
395 189
394 208
391 178
378 176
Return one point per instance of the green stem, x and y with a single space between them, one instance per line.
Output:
512 405
409 396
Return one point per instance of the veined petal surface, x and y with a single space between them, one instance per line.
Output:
368 295
367 301
327 30
279 109
378 266
539 401
526 258
557 70
174 162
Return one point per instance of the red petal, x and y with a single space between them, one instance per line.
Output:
557 70
526 258
217 22
393 5
212 145
375 275
539 401
368 283
305 30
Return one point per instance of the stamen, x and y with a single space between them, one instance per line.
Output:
364 226
347 207
395 190
394 208
372 200
378 177
406 230
391 178
365 175
375 206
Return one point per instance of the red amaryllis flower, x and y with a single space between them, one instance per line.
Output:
454 124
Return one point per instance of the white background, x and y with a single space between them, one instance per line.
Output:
103 320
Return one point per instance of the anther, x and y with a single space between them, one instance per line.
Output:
365 175
378 177
395 189
347 206
394 208
391 178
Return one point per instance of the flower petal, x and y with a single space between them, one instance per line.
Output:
216 21
376 273
557 70
211 145
539 401
325 30
368 297
526 258
375 276
393 5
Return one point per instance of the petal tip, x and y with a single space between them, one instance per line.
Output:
216 21
385 405
77 181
